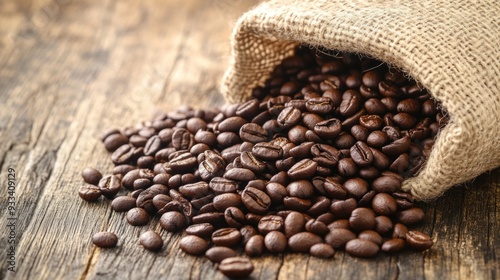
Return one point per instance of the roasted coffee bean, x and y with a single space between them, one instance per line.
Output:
182 139
106 133
386 184
411 216
123 203
374 106
256 201
91 176
317 227
399 231
322 250
393 245
202 230
115 141
247 232
122 169
343 208
361 248
193 245
226 200
195 190
297 204
248 108
254 247
249 161
267 151
234 217
338 237
303 241
276 192
275 242
213 218
300 189
321 205
330 128
152 145
360 132
362 219
403 200
123 154
89 193
173 221
361 154
270 223
383 224
239 174
221 185
137 216
418 240
303 169
410 106
294 223
377 139
371 235
404 120
109 185
226 237
325 155
253 133
219 253
320 105
351 102
236 267
371 122
356 187
206 137
384 204
151 240
105 239
288 117
141 183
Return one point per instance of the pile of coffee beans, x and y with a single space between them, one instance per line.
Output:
312 163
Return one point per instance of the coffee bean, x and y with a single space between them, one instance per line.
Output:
193 245
361 248
247 232
270 223
213 218
399 231
411 216
288 117
267 151
356 187
361 154
329 128
403 200
338 237
384 204
137 216
386 184
300 189
234 217
418 240
219 253
320 105
362 219
275 242
325 155
253 133
248 108
105 239
404 120
351 101
239 174
303 241
91 176
89 193
254 247
322 250
226 237
256 201
221 185
317 227
303 169
294 223
151 240
297 204
377 139
115 141
123 203
202 230
236 267
383 224
343 208
393 245
371 235
172 221
123 154
226 200
231 124
182 139
371 122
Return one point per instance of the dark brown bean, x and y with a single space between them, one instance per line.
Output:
151 240
193 245
361 248
105 239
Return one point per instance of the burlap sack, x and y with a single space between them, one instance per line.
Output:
451 47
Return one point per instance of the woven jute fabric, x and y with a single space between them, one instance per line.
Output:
452 48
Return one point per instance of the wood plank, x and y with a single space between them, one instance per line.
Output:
69 69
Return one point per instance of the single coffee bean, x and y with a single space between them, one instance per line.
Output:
297 204
383 225
123 203
193 245
418 240
253 133
270 223
351 102
123 154
172 221
294 223
202 230
115 141
249 161
226 237
404 120
142 183
342 223
384 204
320 105
105 239
303 241
393 245
371 122
300 189
256 201
182 139
330 128
360 132
89 193
325 155
213 218
303 169
372 236
151 240
219 253
361 154
234 217
317 227
91 176
122 169
254 247
137 216
236 267
247 232
288 117
410 216
361 248
338 237
362 219
399 231
220 185
267 151
356 187
248 109
386 184
321 205
322 250
377 139
276 192
275 242
223 201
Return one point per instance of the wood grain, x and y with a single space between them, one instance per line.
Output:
71 68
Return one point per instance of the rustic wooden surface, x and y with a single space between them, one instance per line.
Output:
71 68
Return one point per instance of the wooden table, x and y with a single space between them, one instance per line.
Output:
71 68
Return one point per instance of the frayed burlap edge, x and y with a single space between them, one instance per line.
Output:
450 48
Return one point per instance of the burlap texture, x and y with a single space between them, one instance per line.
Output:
451 47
